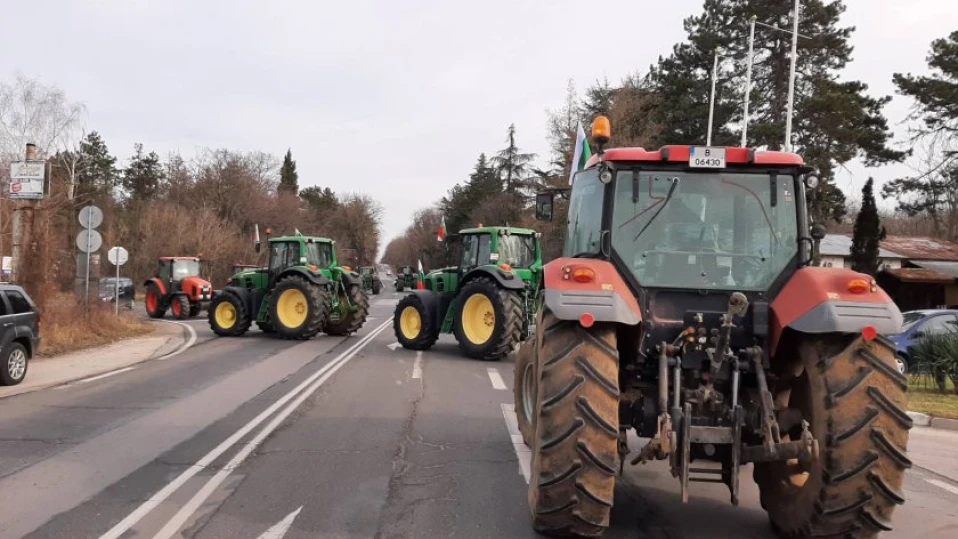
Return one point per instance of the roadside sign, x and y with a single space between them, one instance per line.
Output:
706 157
91 217
89 241
118 256
6 266
26 179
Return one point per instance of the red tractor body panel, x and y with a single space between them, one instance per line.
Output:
196 288
159 284
680 153
605 297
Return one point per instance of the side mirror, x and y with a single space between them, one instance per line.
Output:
818 231
544 203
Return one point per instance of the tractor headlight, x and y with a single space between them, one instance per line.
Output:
811 181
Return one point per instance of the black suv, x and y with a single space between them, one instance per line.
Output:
19 333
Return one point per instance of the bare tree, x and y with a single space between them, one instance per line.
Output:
33 112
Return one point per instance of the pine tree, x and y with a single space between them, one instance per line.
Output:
288 177
458 206
144 175
97 175
868 232
512 164
834 121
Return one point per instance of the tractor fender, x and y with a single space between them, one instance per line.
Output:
818 300
159 284
244 295
503 278
350 278
315 278
606 297
433 303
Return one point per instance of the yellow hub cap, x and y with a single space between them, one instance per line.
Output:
410 323
225 315
478 319
292 308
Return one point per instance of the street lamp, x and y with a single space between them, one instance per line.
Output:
708 137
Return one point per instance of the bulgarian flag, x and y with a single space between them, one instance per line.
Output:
581 154
421 278
441 236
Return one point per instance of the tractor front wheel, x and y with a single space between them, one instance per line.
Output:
852 396
353 307
575 446
154 302
298 308
488 320
180 307
228 316
195 309
413 324
524 389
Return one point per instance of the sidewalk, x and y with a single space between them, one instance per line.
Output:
44 372
934 449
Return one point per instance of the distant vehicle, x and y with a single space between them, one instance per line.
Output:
384 268
107 291
918 325
19 333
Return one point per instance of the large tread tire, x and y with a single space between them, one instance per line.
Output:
524 389
377 287
575 448
154 308
353 320
317 305
180 307
265 327
856 398
241 321
507 306
195 309
428 328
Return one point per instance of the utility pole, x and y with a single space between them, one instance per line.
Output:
708 137
748 80
791 78
23 228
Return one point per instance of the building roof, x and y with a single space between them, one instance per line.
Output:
920 275
841 245
921 248
945 268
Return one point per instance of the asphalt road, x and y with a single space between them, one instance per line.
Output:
334 438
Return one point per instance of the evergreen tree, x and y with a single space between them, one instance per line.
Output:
458 206
598 100
834 121
143 177
512 164
320 199
868 232
288 177
97 174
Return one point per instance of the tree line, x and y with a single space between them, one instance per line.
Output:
206 205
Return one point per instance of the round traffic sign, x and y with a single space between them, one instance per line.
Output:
91 216
89 241
118 256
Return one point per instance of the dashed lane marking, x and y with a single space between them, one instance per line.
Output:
417 365
523 454
278 531
496 379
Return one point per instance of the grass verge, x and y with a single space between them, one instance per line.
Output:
66 326
923 396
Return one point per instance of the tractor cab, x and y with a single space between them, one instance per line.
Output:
512 252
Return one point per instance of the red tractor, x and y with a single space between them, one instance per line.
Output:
177 287
689 307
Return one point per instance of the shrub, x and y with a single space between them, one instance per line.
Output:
938 355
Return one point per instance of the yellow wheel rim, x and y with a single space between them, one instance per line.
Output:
410 323
292 308
225 315
478 319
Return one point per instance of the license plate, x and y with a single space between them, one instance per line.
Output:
706 157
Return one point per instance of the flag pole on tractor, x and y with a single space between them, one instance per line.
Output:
581 154
441 236
421 278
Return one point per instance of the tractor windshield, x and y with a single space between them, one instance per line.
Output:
185 268
705 230
518 251
319 254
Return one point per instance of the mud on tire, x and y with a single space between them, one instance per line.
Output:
574 452
856 399
507 306
351 321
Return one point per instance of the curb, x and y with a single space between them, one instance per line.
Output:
924 420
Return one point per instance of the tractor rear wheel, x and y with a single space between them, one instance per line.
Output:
377 287
349 320
488 320
575 447
524 389
298 308
154 302
853 397
413 324
180 307
228 316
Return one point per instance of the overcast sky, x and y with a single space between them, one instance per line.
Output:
395 99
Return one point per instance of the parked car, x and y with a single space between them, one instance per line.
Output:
918 325
19 333
107 291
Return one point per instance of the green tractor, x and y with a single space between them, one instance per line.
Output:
405 279
371 281
301 292
488 301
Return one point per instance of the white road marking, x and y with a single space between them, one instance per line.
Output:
417 365
393 346
523 453
322 375
278 531
942 484
385 302
104 375
189 342
496 379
